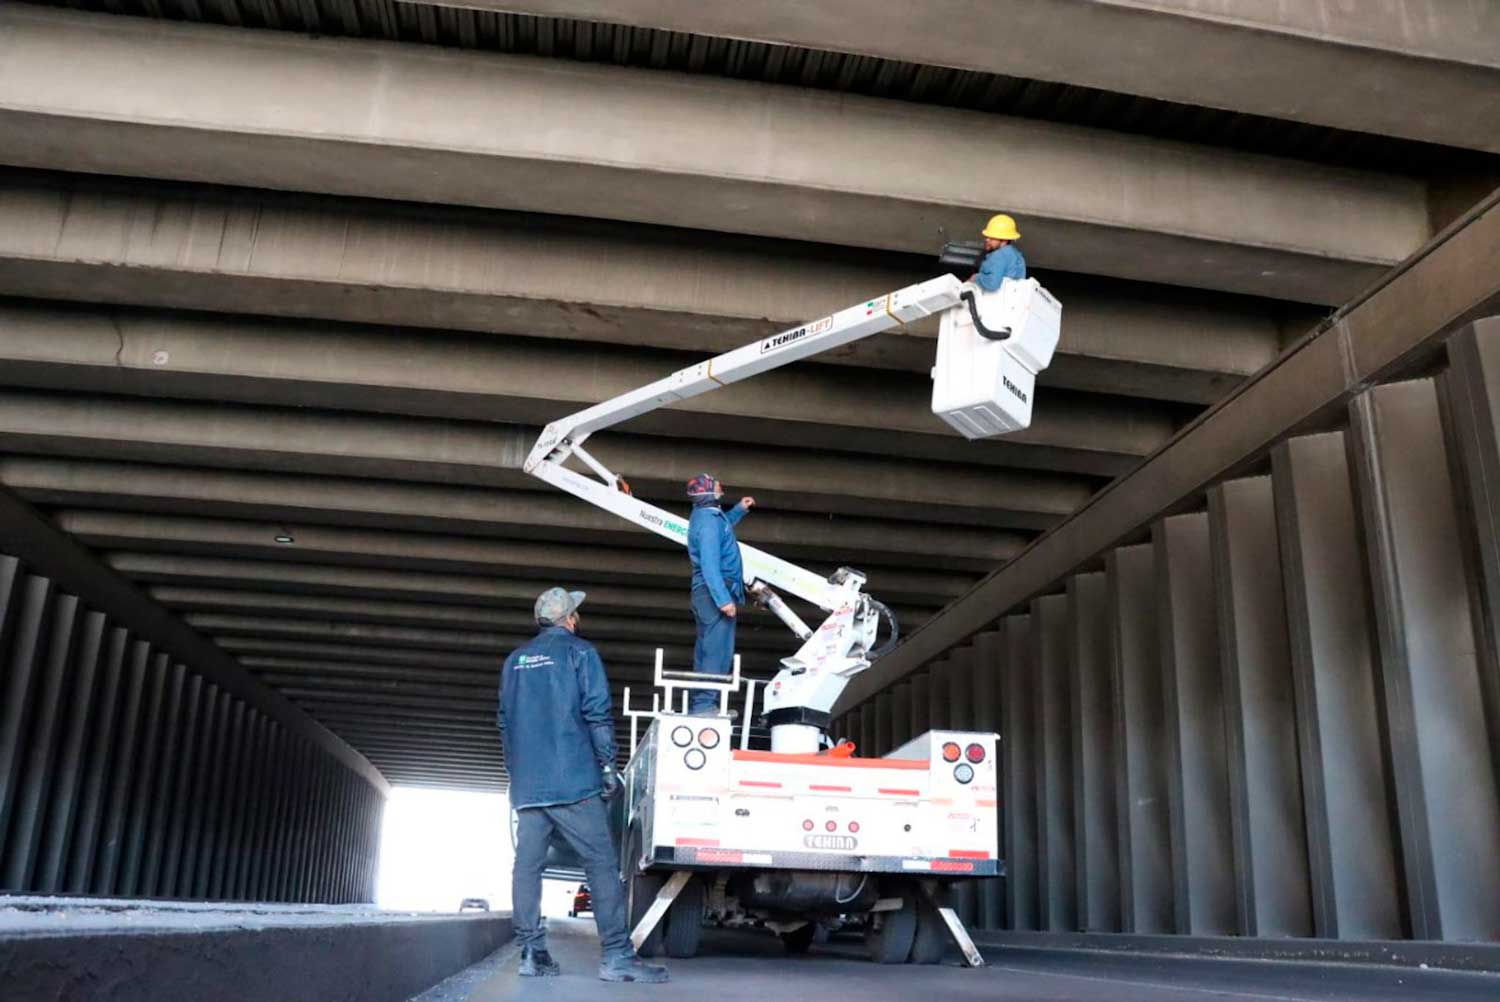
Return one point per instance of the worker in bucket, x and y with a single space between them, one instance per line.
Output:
718 583
1002 258
558 734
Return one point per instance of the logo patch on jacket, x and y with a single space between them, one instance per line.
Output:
534 661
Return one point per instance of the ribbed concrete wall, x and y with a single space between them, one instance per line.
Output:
1278 716
124 772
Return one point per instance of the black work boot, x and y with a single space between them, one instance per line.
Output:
538 964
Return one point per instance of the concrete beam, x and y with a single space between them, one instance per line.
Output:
456 554
298 501
230 107
398 448
501 637
74 237
333 613
628 662
420 586
1389 69
1397 325
531 382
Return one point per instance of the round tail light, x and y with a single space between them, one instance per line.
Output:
832 826
807 825
682 736
694 759
975 752
951 751
963 772
854 828
709 738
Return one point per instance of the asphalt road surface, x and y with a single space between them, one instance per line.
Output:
743 967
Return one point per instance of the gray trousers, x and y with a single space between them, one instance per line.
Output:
585 827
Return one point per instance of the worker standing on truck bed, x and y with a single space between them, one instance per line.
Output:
1002 258
557 731
718 583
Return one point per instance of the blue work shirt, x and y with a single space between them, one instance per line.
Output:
715 552
1003 262
556 724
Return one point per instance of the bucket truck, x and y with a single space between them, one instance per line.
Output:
807 834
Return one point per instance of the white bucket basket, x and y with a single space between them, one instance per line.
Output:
982 386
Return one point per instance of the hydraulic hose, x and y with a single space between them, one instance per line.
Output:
895 629
994 335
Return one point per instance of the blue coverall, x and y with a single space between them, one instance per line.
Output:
558 733
718 580
1000 263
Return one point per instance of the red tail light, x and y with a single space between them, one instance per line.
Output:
951 751
807 825
709 738
854 828
975 752
832 826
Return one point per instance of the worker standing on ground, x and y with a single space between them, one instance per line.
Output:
557 731
718 583
1002 258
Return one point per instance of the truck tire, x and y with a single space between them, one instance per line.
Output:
799 941
640 890
931 940
685 922
890 941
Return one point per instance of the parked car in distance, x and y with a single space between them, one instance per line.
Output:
475 904
583 901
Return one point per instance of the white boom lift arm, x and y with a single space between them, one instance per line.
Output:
988 358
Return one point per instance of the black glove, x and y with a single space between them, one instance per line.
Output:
611 783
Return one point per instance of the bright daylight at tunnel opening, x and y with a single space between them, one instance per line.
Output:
554 499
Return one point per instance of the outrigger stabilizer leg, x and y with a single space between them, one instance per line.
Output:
658 909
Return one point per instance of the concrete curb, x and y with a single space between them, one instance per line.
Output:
250 956
1482 957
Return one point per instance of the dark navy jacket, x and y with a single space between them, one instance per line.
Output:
556 724
715 552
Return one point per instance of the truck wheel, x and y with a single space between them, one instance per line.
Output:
890 941
931 940
799 941
685 921
640 890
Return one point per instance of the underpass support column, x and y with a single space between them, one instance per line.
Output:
937 695
961 717
1198 780
23 846
920 708
114 696
988 675
81 704
1473 387
901 715
1096 847
1421 579
1353 867
884 722
163 691
1260 720
1018 760
1140 743
195 710
1058 882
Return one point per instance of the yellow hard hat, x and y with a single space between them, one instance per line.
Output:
1002 227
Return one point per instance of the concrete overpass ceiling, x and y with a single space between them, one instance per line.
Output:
279 320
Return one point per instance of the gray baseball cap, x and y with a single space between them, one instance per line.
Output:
555 604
